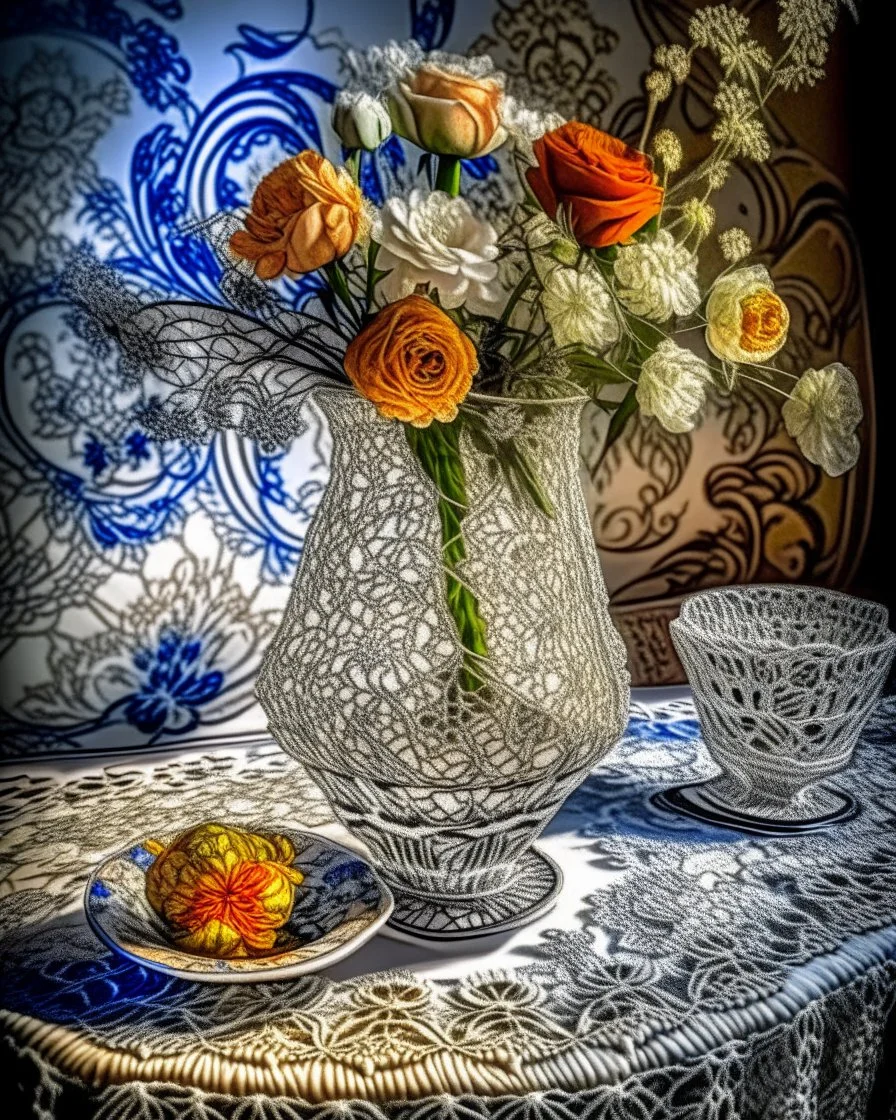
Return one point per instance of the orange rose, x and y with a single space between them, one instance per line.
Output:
412 362
607 189
304 215
448 114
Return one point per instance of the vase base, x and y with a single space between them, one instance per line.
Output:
692 801
531 893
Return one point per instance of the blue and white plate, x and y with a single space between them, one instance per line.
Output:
341 903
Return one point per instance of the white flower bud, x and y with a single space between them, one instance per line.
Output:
544 236
658 84
360 120
735 244
674 58
700 215
667 147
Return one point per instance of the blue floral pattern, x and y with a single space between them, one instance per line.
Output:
141 578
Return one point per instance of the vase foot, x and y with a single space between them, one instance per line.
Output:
530 893
692 801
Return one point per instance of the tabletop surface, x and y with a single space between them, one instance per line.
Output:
669 940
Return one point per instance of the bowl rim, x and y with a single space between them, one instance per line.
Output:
770 646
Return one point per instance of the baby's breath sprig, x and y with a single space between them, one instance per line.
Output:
750 75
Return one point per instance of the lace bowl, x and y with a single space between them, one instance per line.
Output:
340 905
784 679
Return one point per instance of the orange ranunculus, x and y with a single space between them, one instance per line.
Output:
607 189
448 114
226 892
412 362
304 214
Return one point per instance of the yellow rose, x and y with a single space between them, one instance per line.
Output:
225 891
448 114
746 321
304 215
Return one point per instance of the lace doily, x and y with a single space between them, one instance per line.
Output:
686 971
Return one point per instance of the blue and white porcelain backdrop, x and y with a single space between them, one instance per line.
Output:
143 580
140 580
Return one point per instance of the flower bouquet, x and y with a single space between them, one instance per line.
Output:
446 666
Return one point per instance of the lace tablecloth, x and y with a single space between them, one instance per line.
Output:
686 972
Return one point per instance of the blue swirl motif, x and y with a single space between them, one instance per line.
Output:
75 458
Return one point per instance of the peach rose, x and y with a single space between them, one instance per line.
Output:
607 189
448 114
304 215
412 362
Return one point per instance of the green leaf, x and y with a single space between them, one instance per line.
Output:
590 371
649 228
647 337
627 407
607 254
425 164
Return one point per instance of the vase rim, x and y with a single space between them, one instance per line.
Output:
474 398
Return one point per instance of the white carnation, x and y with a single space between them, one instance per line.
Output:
657 278
435 240
822 416
672 386
579 308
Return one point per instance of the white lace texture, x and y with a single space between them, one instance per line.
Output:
784 680
360 683
696 972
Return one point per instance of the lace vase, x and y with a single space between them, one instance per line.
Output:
448 787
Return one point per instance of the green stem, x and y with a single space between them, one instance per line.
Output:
370 289
516 295
648 122
338 282
448 175
519 359
437 449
